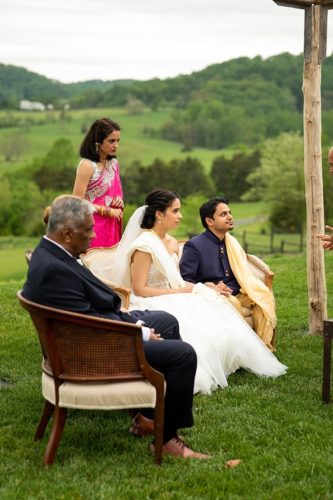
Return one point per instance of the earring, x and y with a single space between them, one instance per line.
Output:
97 147
159 221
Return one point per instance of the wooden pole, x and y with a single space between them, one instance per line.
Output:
313 170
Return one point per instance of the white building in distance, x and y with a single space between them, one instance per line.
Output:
32 106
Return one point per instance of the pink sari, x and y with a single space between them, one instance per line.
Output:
102 191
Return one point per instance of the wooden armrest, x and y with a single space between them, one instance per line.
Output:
123 292
261 270
28 254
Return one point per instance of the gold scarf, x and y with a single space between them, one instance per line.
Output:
264 310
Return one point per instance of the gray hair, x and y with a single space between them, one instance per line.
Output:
70 211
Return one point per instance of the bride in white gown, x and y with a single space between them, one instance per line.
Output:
147 261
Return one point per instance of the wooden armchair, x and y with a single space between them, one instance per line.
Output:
89 260
28 254
92 363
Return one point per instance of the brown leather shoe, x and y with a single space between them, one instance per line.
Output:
142 426
177 448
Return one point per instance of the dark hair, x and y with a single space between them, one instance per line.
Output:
96 134
158 200
209 207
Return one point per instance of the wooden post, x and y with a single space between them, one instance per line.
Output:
313 171
315 35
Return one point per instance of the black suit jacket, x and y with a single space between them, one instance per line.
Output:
56 279
205 258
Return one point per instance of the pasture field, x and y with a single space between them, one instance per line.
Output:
248 217
278 428
135 145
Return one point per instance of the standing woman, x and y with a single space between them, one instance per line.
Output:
98 180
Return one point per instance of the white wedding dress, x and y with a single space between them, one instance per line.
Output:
221 338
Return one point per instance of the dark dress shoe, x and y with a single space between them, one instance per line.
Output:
142 426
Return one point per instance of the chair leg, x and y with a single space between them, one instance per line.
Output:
59 421
159 428
326 396
45 418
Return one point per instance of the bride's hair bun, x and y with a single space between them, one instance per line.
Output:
157 201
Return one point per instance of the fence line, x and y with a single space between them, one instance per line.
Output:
275 243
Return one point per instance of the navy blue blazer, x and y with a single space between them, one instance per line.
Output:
205 258
58 280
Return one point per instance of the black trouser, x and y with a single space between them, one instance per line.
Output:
163 323
177 361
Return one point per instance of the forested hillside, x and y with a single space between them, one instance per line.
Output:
245 115
18 83
239 101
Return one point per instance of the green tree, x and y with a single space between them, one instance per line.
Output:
184 176
56 170
230 175
24 209
191 222
13 146
134 106
279 181
190 178
5 201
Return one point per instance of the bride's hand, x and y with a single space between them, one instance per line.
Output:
186 289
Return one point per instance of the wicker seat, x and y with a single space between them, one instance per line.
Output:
92 363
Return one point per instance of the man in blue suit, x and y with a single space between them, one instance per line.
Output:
205 258
216 259
57 279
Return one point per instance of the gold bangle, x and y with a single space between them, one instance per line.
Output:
110 212
102 211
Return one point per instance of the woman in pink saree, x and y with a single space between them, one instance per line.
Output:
98 180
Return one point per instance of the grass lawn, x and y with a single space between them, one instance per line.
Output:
279 429
12 261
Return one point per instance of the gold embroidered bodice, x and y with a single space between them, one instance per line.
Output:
157 279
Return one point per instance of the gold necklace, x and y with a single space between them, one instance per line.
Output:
156 234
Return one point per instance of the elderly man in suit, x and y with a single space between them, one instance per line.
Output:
57 279
217 259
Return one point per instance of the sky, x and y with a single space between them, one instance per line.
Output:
80 40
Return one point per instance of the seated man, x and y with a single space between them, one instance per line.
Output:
55 278
217 259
